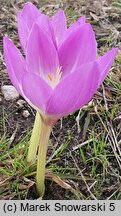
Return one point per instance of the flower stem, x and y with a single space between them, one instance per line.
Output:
44 138
34 140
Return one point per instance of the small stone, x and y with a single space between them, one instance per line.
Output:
21 103
0 99
9 92
26 114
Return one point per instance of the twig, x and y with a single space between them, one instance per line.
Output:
2 183
82 144
111 139
114 193
77 121
93 184
61 123
13 136
54 154
116 143
105 100
88 188
61 183
117 158
96 111
16 9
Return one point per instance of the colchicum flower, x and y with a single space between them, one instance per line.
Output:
60 71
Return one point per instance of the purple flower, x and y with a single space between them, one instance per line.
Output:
60 72
55 28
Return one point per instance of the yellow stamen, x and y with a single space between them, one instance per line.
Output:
50 78
55 79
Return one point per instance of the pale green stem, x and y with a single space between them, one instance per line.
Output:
34 140
44 138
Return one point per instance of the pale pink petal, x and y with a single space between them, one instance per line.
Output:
15 64
41 55
77 49
23 31
59 25
79 23
45 24
26 19
36 90
75 90
105 62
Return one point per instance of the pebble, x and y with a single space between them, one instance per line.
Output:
9 92
21 103
26 114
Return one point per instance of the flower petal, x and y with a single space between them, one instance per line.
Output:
15 64
26 19
36 90
41 55
45 24
78 48
79 23
59 25
74 91
105 62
